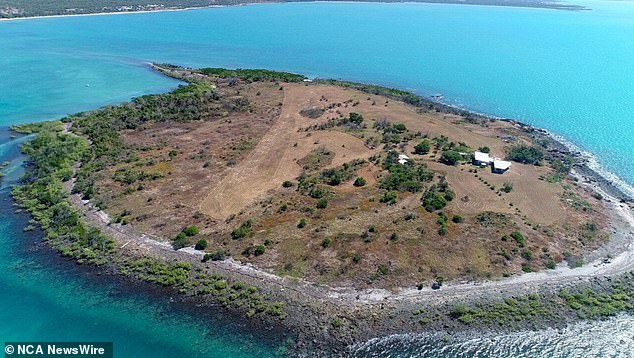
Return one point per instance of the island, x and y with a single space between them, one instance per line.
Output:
332 211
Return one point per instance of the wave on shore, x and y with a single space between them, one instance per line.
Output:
609 338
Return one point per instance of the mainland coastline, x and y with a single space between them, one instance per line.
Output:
390 312
14 13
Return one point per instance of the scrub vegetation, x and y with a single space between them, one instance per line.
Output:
335 182
54 155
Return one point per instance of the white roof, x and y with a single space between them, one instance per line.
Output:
501 164
482 157
402 161
403 156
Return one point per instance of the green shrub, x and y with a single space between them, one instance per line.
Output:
216 255
355 118
345 172
409 177
422 147
259 250
322 203
201 245
326 243
192 230
382 270
507 187
399 127
242 231
356 258
359 182
450 157
302 223
389 197
519 238
287 184
457 219
459 310
334 180
484 149
437 196
317 193
527 255
180 241
525 154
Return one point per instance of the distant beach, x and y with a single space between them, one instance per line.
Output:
109 13
556 5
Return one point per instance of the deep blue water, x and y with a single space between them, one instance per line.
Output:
569 72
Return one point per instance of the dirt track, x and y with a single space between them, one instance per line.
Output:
275 157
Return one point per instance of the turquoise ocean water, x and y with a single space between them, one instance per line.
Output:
569 72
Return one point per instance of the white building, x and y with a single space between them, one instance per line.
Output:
500 166
482 159
402 159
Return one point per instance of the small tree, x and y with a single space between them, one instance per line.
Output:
356 118
322 203
302 223
519 238
450 157
180 241
389 197
422 147
242 231
507 187
217 255
525 154
259 250
317 193
201 244
192 230
359 182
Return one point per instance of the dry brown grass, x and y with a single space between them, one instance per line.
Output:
264 147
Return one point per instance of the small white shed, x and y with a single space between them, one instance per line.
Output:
482 159
402 159
501 166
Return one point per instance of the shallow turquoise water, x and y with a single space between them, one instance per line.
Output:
47 298
570 72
